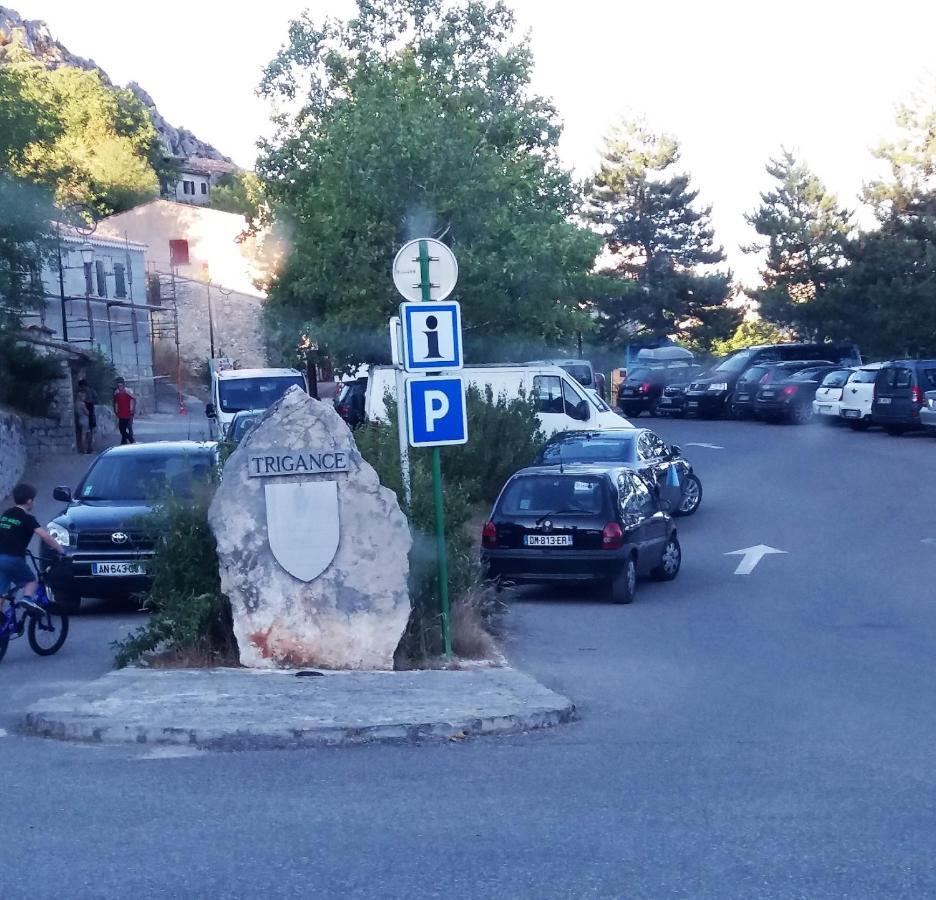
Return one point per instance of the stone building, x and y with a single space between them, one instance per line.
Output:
197 176
94 300
202 266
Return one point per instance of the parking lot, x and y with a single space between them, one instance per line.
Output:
735 730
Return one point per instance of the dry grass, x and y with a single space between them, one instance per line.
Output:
475 619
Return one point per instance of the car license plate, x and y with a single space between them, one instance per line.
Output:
743 397
883 400
693 404
767 393
851 413
666 401
548 540
118 568
824 408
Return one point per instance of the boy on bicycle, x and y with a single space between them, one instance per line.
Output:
17 527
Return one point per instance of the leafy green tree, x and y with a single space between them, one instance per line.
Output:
98 149
751 333
239 192
662 246
805 233
415 118
885 300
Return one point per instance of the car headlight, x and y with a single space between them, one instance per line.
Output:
60 533
718 386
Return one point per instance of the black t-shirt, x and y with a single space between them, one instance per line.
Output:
16 530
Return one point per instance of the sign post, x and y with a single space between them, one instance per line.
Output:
435 407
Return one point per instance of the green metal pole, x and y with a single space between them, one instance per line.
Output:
437 486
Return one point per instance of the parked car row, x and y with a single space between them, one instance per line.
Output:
594 507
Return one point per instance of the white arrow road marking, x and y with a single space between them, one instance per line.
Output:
751 556
707 446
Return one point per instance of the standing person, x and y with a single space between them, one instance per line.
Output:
17 527
90 402
82 421
124 409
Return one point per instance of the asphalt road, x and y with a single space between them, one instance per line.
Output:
762 735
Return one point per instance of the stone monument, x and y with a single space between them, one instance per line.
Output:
313 551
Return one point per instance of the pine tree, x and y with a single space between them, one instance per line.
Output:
661 245
805 235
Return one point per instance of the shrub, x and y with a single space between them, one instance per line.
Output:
504 435
190 614
26 376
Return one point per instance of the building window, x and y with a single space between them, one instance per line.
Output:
188 187
101 278
204 187
120 280
88 279
178 253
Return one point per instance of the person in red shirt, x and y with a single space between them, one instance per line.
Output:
124 409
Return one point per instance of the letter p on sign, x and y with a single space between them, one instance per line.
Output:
437 406
435 411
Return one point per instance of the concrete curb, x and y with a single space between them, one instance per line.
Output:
240 709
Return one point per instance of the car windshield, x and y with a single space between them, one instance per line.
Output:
755 373
863 376
144 476
236 394
602 448
582 374
599 402
734 363
539 495
639 374
807 375
835 379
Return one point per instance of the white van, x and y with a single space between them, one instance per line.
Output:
234 390
562 403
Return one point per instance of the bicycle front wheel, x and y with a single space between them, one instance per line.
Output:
47 633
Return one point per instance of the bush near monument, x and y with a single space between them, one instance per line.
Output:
504 434
191 617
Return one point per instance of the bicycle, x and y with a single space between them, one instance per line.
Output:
47 632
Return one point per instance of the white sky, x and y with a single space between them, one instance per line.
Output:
732 79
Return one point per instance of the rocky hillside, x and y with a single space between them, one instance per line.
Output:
37 40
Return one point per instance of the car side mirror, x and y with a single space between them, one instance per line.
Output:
62 493
210 411
582 412
675 450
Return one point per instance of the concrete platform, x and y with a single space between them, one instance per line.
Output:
248 709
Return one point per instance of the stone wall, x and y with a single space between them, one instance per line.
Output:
237 327
12 452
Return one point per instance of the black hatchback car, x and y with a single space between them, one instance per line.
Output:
581 524
899 394
107 544
791 399
662 465
751 381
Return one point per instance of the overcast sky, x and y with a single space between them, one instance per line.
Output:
732 80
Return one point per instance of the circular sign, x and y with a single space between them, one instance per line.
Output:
407 273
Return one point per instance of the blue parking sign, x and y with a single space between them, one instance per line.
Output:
436 414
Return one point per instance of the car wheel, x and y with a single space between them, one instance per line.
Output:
802 414
895 430
624 583
670 562
4 643
632 412
691 496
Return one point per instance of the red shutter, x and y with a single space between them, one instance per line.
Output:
178 253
